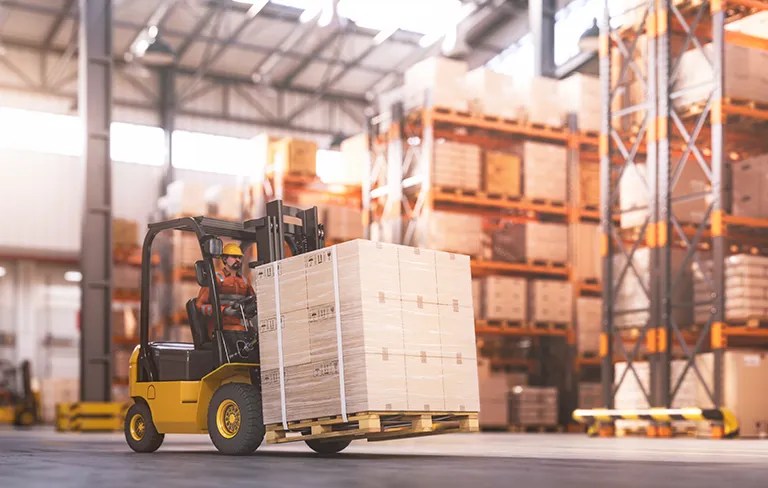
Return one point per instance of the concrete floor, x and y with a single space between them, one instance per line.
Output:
44 458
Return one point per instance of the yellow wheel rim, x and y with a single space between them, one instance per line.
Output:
228 419
138 427
27 418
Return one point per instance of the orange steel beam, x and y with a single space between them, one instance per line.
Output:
520 332
441 196
498 266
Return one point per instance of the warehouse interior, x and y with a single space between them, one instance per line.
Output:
504 238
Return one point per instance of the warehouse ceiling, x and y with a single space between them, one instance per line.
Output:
285 44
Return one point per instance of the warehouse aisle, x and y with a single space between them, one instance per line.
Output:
45 458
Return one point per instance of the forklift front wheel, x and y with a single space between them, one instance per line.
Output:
322 446
140 431
235 421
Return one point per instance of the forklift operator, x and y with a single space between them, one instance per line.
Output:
233 287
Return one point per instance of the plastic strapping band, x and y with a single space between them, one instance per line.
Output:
339 348
280 362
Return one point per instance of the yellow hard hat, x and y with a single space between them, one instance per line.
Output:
232 249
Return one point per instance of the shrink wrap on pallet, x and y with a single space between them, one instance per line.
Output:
366 327
746 282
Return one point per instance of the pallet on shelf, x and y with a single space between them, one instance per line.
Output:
374 426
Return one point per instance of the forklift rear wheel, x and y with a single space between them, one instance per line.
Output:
140 431
25 418
322 446
235 421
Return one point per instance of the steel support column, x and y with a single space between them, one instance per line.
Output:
606 211
719 244
167 122
541 14
95 100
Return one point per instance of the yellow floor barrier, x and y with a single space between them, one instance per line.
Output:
90 416
725 419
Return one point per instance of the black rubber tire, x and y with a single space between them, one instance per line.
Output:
334 446
251 428
152 439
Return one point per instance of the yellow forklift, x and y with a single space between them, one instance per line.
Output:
212 385
19 405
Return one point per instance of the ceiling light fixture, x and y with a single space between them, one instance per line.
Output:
384 34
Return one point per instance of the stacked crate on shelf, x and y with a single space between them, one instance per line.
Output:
485 172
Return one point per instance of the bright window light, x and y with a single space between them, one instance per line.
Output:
130 143
140 144
216 154
2 271
329 165
40 132
73 276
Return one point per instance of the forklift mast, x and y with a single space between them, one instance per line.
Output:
282 225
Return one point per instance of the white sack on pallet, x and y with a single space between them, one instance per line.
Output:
366 326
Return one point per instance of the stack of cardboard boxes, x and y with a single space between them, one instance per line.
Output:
588 324
750 187
544 171
531 241
590 395
125 233
495 389
292 156
746 283
452 231
435 82
457 165
550 301
502 298
223 202
378 326
585 252
533 406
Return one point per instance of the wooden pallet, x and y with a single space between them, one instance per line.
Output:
502 324
751 322
374 426
126 294
547 263
547 201
550 325
538 429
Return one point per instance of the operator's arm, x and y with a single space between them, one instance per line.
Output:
203 301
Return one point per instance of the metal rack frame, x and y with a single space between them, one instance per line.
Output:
665 126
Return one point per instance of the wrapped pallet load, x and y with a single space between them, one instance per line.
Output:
366 327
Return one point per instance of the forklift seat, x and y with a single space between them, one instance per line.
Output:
197 323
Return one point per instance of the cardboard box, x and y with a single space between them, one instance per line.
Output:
590 395
454 232
185 198
404 314
589 324
585 256
502 173
184 249
544 171
456 165
589 185
126 277
477 297
495 386
580 94
125 233
437 82
534 406
491 93
542 105
505 298
295 156
531 241
341 222
746 282
750 187
744 373
550 301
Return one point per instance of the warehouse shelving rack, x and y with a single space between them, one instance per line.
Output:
398 198
710 134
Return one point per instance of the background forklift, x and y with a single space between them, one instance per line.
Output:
210 385
19 405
